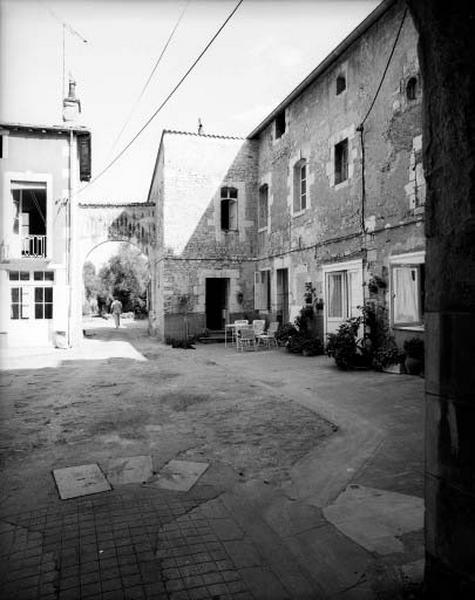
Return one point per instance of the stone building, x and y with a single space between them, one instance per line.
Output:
40 168
326 194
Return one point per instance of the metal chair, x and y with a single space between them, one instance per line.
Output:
246 338
235 329
268 338
259 326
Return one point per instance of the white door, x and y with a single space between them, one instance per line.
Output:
343 293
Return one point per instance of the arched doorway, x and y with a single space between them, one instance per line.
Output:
116 269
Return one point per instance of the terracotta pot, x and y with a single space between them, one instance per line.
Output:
413 365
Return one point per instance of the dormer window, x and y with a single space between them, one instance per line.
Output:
280 124
229 208
340 84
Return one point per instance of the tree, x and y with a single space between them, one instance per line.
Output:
126 277
91 287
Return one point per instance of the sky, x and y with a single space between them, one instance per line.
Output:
263 53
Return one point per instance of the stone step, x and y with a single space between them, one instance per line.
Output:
215 336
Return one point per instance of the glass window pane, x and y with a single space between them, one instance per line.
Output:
38 311
335 293
15 294
14 275
48 311
49 275
24 275
49 294
38 276
224 192
233 193
405 295
15 314
38 294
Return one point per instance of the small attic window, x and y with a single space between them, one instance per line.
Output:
280 124
340 84
411 88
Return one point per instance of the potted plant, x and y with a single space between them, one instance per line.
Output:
342 345
414 349
312 346
389 359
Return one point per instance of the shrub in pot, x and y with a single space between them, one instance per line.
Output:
342 346
312 347
414 349
284 333
386 357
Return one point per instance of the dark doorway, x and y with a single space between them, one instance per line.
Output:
283 295
216 302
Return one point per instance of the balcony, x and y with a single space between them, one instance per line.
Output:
33 246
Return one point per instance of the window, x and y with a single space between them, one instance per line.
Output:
337 295
29 220
43 302
340 84
43 275
300 186
341 161
263 207
28 299
19 303
280 124
229 208
411 89
262 290
19 275
408 288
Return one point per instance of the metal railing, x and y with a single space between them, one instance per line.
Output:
33 246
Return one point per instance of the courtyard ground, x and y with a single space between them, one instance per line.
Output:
314 485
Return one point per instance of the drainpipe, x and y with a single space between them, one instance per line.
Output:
70 274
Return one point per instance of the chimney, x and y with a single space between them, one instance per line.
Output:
200 127
71 104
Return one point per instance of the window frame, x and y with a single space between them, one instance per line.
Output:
338 89
229 196
262 290
341 171
415 261
300 187
280 124
263 195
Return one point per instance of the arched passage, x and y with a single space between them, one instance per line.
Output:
103 226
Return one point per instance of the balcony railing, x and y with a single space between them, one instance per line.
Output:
33 246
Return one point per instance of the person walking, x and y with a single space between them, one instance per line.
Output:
116 309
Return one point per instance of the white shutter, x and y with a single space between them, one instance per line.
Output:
355 288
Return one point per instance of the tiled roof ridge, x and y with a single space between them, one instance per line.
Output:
114 204
207 135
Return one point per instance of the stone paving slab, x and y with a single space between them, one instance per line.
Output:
80 481
180 475
129 469
376 519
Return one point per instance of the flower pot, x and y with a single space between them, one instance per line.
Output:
413 365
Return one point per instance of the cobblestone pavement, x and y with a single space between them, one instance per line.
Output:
252 527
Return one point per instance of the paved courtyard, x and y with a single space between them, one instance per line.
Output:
313 488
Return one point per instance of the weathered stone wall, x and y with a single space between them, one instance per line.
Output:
331 228
447 48
191 170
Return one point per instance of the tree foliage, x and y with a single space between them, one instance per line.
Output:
126 277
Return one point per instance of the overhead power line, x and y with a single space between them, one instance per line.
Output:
163 104
155 66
